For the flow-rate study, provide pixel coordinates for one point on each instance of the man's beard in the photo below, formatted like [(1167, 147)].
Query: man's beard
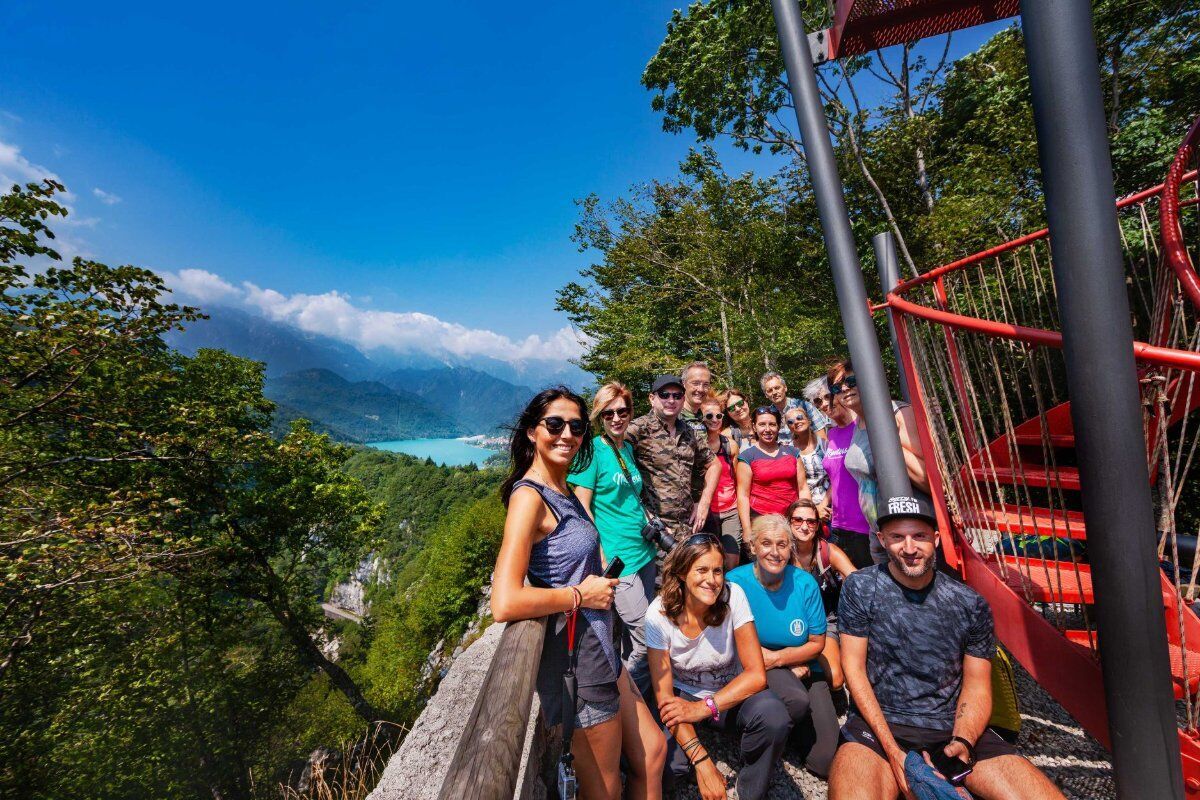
[(919, 571)]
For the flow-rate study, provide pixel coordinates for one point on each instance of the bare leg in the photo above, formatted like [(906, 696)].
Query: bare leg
[(643, 742), (1010, 778), (831, 662), (859, 773), (597, 752)]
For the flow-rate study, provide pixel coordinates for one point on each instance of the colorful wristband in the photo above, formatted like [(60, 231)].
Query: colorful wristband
[(712, 707), (576, 599)]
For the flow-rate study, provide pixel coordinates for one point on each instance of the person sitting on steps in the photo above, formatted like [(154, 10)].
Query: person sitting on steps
[(916, 650)]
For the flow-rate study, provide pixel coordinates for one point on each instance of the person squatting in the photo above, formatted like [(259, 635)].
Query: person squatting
[(720, 564)]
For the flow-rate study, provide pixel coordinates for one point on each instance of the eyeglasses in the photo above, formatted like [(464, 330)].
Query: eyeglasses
[(619, 413), (699, 384), (797, 420), (848, 382), (556, 424), (805, 521), (703, 538), (735, 404), (822, 400), (717, 415), (663, 394)]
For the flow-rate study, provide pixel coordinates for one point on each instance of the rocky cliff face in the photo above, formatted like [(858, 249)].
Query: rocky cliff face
[(351, 594)]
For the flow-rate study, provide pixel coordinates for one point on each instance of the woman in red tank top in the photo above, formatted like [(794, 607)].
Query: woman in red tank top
[(770, 476)]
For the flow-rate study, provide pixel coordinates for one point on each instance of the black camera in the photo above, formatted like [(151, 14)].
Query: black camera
[(655, 532)]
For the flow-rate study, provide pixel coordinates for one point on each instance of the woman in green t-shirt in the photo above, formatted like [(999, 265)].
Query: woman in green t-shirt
[(610, 488)]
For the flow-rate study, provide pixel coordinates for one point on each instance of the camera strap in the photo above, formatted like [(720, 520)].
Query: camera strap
[(628, 476), (570, 691)]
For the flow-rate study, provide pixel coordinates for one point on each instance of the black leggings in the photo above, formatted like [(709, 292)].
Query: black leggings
[(814, 719), (856, 546)]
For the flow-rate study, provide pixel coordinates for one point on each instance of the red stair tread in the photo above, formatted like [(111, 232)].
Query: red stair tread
[(1035, 475), (1043, 579), (1019, 520), (1063, 440), (1175, 653)]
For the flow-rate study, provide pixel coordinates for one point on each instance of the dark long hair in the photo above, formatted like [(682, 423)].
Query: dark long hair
[(521, 451), (674, 581)]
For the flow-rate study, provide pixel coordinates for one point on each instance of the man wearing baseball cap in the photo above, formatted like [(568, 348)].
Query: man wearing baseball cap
[(916, 653), (673, 459)]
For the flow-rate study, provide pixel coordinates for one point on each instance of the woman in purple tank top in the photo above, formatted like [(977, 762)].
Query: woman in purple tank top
[(549, 538)]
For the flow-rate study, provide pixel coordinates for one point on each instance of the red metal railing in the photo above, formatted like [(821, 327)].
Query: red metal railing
[(980, 340)]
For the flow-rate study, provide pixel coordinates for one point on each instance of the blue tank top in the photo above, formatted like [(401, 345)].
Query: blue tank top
[(565, 557)]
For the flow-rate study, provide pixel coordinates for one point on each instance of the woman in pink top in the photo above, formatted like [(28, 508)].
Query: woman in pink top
[(722, 515), (770, 476)]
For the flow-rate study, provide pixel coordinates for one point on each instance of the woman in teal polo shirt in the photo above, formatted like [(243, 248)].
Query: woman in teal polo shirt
[(610, 487), (790, 618)]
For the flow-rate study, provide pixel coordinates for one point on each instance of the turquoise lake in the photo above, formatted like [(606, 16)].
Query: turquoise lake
[(447, 452)]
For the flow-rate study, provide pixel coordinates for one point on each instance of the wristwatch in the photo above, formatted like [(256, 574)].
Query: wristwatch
[(970, 748)]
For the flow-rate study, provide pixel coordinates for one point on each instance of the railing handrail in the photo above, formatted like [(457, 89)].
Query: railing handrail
[(954, 266), (1171, 228), (1146, 353), (488, 757)]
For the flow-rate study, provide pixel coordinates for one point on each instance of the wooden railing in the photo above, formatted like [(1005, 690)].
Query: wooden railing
[(488, 758)]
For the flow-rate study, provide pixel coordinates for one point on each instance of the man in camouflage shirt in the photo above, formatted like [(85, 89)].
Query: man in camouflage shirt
[(671, 456)]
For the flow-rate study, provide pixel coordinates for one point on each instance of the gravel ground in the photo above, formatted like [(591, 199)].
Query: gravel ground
[(1050, 738)]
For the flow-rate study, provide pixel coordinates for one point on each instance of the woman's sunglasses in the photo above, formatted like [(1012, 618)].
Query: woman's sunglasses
[(716, 415), (556, 424), (848, 382), (736, 404), (703, 538), (619, 413), (805, 521)]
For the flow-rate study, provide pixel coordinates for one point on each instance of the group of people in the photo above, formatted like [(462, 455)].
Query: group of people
[(760, 577)]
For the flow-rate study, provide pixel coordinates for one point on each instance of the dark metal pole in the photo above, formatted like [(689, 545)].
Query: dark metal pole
[(1098, 345), (843, 258), (889, 275)]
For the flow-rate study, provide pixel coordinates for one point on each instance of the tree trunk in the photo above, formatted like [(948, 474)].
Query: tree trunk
[(725, 342), (277, 601), (338, 677)]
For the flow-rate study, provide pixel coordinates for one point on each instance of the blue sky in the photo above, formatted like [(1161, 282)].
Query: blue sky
[(412, 158)]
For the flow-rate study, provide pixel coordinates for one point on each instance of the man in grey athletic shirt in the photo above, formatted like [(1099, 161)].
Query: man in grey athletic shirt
[(916, 650)]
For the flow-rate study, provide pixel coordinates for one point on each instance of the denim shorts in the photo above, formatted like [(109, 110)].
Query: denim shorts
[(589, 714)]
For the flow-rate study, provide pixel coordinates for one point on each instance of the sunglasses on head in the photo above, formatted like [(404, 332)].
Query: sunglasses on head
[(703, 538), (848, 382), (556, 424), (609, 413), (663, 394), (714, 415)]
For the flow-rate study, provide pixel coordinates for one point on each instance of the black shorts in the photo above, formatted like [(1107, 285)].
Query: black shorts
[(910, 737)]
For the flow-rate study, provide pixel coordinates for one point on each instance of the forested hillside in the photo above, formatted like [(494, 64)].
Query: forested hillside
[(164, 554)]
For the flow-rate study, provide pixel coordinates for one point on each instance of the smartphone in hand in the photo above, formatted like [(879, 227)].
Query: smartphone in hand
[(614, 568), (954, 770)]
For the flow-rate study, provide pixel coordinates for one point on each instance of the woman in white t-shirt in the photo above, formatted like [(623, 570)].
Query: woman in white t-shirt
[(707, 667)]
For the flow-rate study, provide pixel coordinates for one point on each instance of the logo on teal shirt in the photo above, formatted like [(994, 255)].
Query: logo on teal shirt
[(797, 627)]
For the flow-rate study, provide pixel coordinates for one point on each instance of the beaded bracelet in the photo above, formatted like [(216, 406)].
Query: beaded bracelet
[(700, 760)]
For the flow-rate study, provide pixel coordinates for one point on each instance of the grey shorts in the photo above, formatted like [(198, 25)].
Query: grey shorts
[(589, 714)]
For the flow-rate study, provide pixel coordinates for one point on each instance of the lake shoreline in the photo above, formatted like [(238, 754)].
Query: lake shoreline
[(454, 452)]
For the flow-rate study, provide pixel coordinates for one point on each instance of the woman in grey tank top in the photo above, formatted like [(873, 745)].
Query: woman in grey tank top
[(549, 538)]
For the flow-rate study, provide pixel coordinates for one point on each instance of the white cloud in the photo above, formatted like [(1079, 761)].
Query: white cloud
[(16, 168), (108, 198), (336, 315), (201, 285)]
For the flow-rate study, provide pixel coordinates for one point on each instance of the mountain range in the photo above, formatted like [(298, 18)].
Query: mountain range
[(358, 397)]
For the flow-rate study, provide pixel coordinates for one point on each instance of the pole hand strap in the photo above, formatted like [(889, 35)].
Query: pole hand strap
[(570, 690)]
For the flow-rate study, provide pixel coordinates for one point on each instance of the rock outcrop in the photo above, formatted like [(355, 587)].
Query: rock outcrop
[(417, 769)]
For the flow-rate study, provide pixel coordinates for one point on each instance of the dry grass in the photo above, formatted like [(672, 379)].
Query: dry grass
[(348, 773)]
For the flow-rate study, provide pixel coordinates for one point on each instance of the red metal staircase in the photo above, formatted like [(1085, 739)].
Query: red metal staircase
[(980, 337)]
